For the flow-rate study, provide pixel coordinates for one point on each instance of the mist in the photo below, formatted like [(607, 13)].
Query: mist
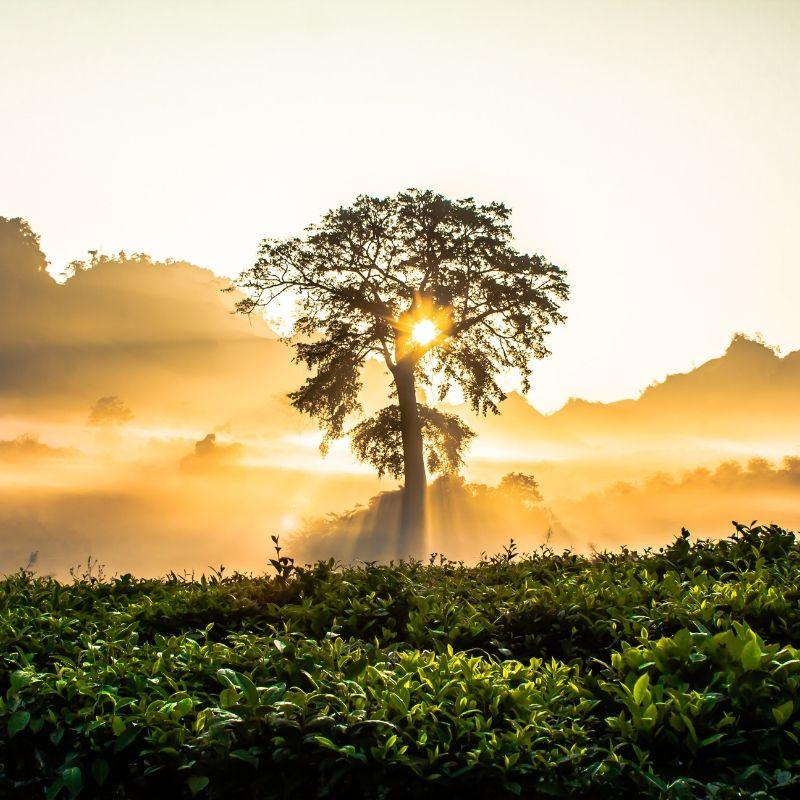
[(145, 424)]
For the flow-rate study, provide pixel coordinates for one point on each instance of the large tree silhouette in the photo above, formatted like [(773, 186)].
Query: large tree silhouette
[(433, 287)]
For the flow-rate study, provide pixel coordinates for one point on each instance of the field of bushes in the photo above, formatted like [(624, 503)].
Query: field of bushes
[(669, 674)]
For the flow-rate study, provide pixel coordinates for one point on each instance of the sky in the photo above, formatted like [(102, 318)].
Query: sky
[(648, 148)]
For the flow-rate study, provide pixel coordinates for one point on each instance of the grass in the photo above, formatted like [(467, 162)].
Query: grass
[(660, 674)]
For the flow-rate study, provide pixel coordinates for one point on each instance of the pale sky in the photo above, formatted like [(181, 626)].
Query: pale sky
[(651, 149)]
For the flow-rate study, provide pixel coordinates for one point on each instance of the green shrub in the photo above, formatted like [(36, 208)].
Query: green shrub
[(669, 674)]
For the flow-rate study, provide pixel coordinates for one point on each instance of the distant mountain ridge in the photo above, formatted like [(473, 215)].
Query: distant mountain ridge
[(748, 391)]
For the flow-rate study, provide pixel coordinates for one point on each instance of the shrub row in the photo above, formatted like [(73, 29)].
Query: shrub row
[(669, 674)]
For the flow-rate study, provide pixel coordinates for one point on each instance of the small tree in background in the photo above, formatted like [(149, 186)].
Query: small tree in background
[(435, 289)]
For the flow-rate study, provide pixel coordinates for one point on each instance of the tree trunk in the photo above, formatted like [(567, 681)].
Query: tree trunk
[(412, 512)]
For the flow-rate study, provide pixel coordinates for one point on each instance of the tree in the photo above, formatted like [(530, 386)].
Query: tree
[(435, 289), (523, 488), (22, 263)]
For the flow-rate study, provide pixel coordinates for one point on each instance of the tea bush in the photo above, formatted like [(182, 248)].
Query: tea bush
[(661, 674)]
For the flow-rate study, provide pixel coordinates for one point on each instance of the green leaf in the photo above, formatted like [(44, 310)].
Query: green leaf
[(689, 727), (650, 714), (783, 712), (324, 741), (73, 780), (247, 757), (711, 739), (751, 655), (656, 781), (53, 789), (17, 722), (117, 726), (640, 690), (229, 697), (20, 679), (183, 707), (231, 678), (125, 739), (697, 657), (100, 770), (248, 687), (197, 783), (683, 640), (227, 676)]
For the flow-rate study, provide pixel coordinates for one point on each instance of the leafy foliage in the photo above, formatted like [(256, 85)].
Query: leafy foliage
[(378, 441), (366, 273), (522, 487), (672, 674)]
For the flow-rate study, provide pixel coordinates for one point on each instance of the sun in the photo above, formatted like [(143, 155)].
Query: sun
[(424, 332)]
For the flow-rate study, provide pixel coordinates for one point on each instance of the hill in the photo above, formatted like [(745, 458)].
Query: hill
[(748, 394)]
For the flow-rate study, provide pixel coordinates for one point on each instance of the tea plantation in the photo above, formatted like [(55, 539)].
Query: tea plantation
[(671, 674)]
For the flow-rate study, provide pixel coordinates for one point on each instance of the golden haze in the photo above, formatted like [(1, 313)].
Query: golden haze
[(146, 425)]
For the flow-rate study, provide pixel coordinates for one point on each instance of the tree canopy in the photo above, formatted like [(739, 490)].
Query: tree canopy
[(364, 274)]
